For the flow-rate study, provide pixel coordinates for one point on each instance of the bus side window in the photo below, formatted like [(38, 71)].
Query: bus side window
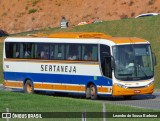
[(89, 52), (94, 53), (27, 50), (52, 49), (73, 52), (59, 52), (42, 51), (37, 54), (86, 52), (88, 55), (16, 50), (9, 50)]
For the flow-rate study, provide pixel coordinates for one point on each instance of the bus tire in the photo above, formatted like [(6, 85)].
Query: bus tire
[(93, 92), (28, 87)]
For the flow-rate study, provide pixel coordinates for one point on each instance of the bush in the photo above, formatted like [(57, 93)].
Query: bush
[(35, 2), (131, 3), (123, 16), (32, 11), (151, 2)]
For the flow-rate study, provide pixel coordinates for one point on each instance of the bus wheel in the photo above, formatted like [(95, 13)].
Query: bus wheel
[(28, 87), (93, 91)]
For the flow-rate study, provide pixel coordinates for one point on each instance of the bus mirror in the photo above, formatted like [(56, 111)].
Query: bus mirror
[(154, 59)]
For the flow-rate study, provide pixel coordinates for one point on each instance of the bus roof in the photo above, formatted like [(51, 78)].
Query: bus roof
[(122, 40), (79, 35), (116, 40), (92, 35)]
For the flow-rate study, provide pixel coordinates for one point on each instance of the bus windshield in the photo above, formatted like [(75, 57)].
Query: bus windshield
[(133, 62)]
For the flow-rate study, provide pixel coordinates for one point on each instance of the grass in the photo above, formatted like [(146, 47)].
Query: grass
[(20, 102), (146, 28)]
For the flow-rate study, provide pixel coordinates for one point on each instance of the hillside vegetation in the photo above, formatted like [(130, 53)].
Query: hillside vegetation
[(26, 15), (146, 28)]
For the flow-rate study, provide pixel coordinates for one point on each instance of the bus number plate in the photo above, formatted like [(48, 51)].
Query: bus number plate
[(137, 91)]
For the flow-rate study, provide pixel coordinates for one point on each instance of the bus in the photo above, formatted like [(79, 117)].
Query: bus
[(92, 64)]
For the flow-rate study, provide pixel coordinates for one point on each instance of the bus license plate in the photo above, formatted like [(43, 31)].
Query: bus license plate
[(137, 91)]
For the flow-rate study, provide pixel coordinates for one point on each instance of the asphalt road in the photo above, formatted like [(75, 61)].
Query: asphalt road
[(141, 101)]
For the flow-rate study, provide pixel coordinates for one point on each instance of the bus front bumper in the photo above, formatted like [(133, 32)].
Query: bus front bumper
[(119, 91)]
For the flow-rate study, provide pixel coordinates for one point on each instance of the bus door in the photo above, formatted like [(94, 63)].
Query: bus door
[(105, 57)]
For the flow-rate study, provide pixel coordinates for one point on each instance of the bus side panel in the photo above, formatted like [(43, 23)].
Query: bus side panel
[(62, 83), (57, 77)]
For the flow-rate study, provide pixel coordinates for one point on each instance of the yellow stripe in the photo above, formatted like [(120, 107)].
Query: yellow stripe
[(80, 88), (59, 87), (13, 84), (46, 86), (103, 89)]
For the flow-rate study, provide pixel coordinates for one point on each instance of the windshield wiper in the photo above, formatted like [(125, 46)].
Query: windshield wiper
[(125, 74), (139, 67)]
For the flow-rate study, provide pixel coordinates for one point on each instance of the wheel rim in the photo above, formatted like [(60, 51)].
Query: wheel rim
[(93, 90), (29, 88)]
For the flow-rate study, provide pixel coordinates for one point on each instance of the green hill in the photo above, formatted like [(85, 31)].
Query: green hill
[(147, 28)]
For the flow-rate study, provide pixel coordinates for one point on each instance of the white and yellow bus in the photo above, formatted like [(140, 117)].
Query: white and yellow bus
[(94, 64)]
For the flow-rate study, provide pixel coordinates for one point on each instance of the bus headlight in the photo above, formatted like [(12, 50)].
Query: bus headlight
[(150, 84), (120, 85)]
